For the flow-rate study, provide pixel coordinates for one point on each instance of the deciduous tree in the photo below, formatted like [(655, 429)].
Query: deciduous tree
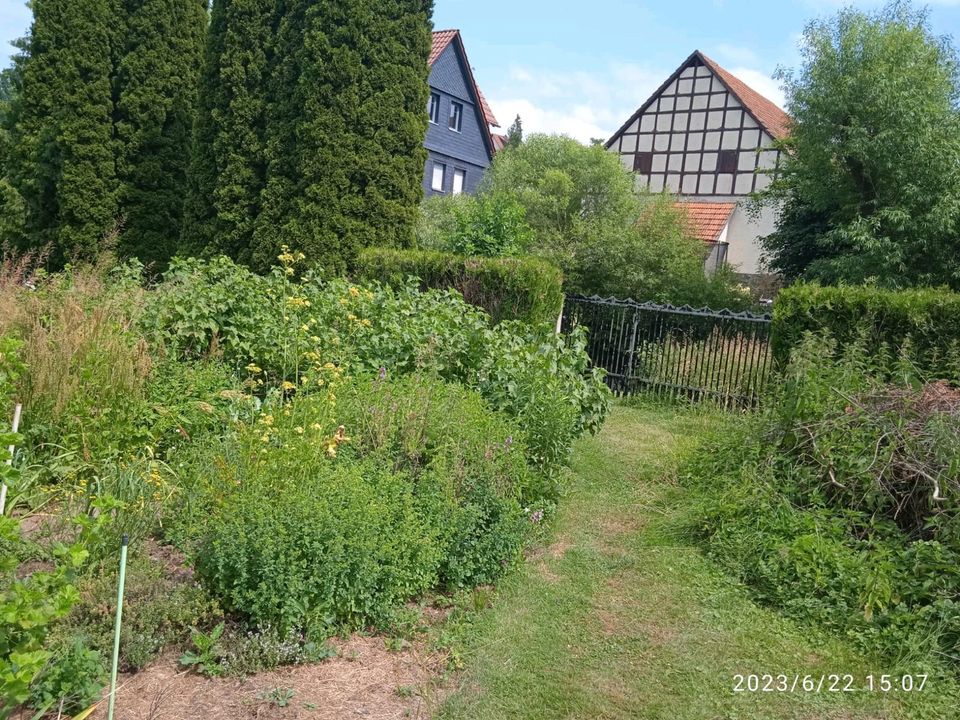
[(869, 189)]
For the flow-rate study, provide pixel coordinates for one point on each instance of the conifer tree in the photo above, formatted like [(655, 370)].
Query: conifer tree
[(61, 159), (156, 78), (228, 167), (346, 127), (514, 133)]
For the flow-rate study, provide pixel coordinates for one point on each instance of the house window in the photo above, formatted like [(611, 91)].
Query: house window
[(456, 116), (727, 162), (434, 108), (458, 177), (643, 162), (439, 171)]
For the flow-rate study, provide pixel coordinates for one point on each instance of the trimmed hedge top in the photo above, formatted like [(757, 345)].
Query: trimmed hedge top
[(928, 320), (527, 288)]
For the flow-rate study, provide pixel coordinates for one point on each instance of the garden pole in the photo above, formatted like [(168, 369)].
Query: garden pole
[(116, 630), (16, 426)]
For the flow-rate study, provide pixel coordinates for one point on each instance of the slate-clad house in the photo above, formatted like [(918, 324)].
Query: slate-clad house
[(459, 141), (708, 137)]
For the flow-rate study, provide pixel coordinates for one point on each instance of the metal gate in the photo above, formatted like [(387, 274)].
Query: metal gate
[(677, 351)]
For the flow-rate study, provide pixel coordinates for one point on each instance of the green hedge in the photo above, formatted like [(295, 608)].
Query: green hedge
[(926, 319), (528, 289)]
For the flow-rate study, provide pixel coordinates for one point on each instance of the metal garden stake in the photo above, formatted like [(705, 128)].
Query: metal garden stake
[(116, 631)]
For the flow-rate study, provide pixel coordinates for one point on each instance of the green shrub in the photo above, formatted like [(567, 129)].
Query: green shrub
[(839, 503), (159, 608), (923, 322), (313, 321), (334, 511), (487, 225), (528, 289), (72, 680)]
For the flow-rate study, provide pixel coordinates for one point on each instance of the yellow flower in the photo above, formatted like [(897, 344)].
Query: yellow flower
[(320, 382), (354, 292), (265, 437), (305, 328), (287, 385), (288, 271), (253, 368), (267, 420), (298, 430), (344, 301), (351, 316), (369, 295), (365, 322), (316, 426), (329, 366), (332, 449), (314, 338)]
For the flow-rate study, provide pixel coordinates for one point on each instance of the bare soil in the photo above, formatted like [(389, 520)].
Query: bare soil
[(365, 681)]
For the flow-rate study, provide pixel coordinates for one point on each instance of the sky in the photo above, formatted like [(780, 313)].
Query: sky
[(582, 68)]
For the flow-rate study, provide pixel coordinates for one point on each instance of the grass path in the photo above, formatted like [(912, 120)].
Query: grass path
[(620, 616)]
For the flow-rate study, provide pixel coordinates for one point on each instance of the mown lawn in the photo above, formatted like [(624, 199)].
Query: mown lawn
[(621, 616)]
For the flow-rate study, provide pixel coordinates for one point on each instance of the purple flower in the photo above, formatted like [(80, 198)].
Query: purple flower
[(536, 516), (507, 443), (383, 373)]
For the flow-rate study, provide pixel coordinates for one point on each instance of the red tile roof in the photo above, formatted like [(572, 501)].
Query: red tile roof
[(707, 219), (442, 38), (770, 117), (499, 141), (774, 120)]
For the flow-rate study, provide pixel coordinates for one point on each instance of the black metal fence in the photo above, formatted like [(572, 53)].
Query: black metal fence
[(677, 351)]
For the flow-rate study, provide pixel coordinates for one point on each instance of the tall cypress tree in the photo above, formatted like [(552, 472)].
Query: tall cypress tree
[(228, 168), (345, 147), (156, 80), (61, 161)]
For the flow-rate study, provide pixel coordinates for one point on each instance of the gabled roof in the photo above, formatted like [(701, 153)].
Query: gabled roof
[(771, 118), (767, 114), (707, 219), (442, 38), (499, 142)]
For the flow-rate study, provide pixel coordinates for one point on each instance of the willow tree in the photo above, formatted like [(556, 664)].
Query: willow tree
[(870, 187)]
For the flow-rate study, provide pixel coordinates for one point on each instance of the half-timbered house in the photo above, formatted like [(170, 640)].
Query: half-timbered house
[(707, 137)]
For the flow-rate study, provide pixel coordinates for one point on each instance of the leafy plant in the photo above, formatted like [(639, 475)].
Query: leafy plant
[(278, 696), (206, 652), (72, 679)]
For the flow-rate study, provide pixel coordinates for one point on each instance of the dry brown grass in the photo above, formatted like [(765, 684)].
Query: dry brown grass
[(79, 341)]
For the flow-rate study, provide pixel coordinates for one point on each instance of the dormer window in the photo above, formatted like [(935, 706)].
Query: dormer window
[(456, 116), (434, 108)]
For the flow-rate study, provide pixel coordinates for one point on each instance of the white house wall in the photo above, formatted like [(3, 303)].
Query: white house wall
[(743, 234)]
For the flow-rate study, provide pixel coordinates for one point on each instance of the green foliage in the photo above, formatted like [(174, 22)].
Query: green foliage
[(839, 503), (514, 133), (72, 680), (61, 161), (159, 608), (296, 523), (31, 605), (488, 225), (206, 652), (310, 130), (609, 240), (99, 126), (153, 120), (228, 166), (869, 185), (526, 289), (920, 324), (546, 382)]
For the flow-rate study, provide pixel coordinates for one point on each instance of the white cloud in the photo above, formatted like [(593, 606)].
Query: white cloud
[(581, 104), (761, 82), (586, 105)]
